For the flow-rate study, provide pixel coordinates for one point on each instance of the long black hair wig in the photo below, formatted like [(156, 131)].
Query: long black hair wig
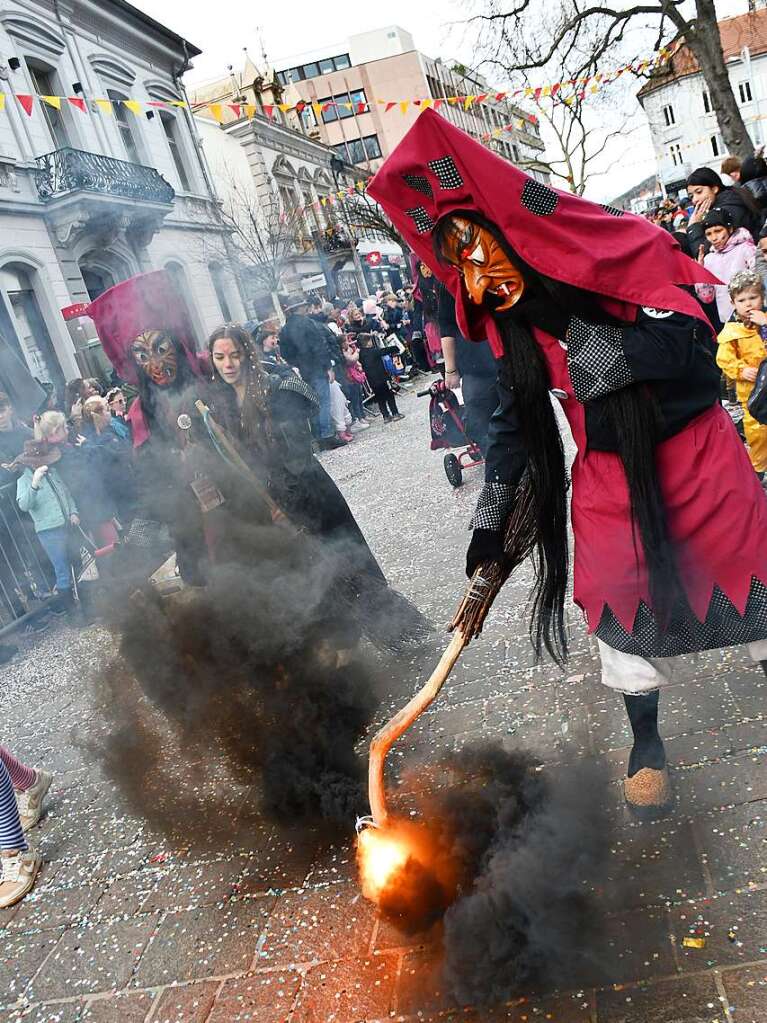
[(633, 413)]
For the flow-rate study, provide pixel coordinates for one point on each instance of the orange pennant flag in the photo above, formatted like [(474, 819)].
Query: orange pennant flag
[(52, 101), (104, 105), (133, 105)]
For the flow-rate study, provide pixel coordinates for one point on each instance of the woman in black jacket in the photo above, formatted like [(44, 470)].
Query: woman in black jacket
[(708, 192)]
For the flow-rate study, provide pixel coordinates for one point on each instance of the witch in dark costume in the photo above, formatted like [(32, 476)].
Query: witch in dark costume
[(144, 331), (588, 304), (266, 410)]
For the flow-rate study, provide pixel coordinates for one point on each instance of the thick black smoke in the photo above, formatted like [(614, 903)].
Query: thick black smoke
[(528, 848), (240, 681)]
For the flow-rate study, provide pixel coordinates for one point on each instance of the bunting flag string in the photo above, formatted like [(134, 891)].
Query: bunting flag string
[(580, 86)]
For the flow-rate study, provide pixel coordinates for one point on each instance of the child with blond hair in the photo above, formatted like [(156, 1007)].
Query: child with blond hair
[(741, 350)]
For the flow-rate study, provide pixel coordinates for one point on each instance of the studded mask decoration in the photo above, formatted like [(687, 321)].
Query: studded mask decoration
[(485, 267), (155, 354)]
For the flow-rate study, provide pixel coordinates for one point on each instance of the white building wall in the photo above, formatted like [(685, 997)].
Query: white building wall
[(96, 44), (695, 130)]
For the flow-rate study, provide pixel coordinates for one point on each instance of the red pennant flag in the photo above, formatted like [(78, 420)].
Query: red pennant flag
[(268, 109), (438, 103), (389, 106), (537, 93), (555, 88), (499, 96), (300, 106), (481, 99), (235, 108), (157, 103), (77, 101), (362, 108), (27, 102)]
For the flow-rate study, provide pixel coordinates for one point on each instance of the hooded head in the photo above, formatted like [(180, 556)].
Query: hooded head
[(144, 329), (438, 170)]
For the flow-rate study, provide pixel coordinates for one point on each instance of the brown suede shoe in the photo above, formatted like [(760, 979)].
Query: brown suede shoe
[(648, 792)]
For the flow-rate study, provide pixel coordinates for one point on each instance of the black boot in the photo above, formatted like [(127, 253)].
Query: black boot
[(764, 666), (647, 750), (646, 788)]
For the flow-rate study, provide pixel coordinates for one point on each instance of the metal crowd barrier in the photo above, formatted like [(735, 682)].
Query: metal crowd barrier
[(26, 575)]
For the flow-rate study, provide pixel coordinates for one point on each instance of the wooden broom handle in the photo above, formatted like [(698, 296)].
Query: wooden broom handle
[(386, 736)]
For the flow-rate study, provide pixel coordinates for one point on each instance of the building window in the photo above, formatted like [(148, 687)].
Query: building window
[(181, 286), (668, 115), (44, 85), (715, 147), (343, 105), (744, 91), (359, 150), (707, 102), (217, 276), (676, 154), (170, 127), (125, 126), (327, 66), (311, 70), (29, 333), (342, 62)]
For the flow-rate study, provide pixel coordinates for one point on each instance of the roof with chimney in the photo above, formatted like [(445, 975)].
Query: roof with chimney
[(736, 33)]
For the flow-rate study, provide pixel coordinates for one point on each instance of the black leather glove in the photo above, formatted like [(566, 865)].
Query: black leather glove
[(485, 545)]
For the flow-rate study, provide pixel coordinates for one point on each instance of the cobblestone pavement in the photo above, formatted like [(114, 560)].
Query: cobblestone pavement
[(122, 928)]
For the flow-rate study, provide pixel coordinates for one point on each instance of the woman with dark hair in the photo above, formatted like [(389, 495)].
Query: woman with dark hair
[(753, 176), (266, 410), (707, 192), (588, 304)]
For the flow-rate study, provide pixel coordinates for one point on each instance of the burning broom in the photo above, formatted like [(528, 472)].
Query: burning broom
[(387, 847)]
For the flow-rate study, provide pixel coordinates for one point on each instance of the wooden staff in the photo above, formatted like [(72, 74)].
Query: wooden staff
[(483, 588)]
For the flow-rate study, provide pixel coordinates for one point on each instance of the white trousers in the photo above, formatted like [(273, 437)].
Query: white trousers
[(631, 674)]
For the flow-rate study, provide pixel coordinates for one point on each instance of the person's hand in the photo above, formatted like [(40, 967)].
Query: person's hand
[(701, 254), (453, 380), (701, 209), (758, 317), (38, 476), (80, 440), (74, 520), (748, 373), (278, 516), (486, 545)]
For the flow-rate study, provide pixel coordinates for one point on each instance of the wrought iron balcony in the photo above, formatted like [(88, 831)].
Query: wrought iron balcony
[(71, 170)]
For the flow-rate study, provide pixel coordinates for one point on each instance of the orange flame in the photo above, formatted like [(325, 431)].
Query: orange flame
[(381, 853)]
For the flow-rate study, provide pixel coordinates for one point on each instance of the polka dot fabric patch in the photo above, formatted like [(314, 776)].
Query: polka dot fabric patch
[(421, 219), (539, 199), (447, 172), (612, 210), (419, 183)]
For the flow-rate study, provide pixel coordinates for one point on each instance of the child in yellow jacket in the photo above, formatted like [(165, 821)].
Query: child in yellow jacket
[(741, 349)]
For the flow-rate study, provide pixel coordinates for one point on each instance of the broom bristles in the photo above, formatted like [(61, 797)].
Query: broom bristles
[(486, 582)]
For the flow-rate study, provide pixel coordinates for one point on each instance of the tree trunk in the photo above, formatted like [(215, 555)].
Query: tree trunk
[(705, 42)]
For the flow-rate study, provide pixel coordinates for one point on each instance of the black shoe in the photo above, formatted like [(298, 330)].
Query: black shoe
[(388, 419), (58, 606), (37, 626), (330, 443), (398, 416), (7, 652)]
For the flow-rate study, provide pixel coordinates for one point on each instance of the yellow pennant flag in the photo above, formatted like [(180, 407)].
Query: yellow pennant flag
[(404, 105), (52, 101), (215, 109), (284, 107), (250, 110), (324, 201), (467, 101), (133, 105), (317, 108), (104, 105), (425, 103), (2, 101), (177, 103)]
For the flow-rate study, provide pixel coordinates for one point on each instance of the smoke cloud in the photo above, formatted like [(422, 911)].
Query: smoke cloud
[(527, 850)]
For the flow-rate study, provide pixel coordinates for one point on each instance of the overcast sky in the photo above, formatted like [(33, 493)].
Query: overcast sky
[(295, 26)]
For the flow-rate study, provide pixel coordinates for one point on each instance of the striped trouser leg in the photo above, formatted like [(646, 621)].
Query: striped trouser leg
[(22, 777), (11, 835)]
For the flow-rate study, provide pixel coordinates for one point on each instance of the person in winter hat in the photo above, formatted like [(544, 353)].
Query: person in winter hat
[(732, 250)]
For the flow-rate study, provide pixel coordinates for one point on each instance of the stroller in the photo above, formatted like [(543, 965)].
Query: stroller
[(448, 431)]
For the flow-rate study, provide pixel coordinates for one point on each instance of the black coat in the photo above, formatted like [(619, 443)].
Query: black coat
[(303, 343), (473, 358), (372, 362), (672, 352), (758, 188), (743, 215)]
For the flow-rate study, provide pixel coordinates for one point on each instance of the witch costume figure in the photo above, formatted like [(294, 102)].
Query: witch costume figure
[(144, 330), (587, 304)]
